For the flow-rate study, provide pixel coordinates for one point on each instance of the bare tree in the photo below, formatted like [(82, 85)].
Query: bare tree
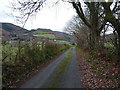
[(80, 31), (98, 14), (94, 20), (74, 24), (111, 16), (26, 8)]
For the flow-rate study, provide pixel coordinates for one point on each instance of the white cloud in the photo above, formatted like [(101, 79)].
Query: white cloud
[(54, 18)]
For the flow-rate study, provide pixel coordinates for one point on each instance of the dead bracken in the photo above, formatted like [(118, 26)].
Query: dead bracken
[(94, 78)]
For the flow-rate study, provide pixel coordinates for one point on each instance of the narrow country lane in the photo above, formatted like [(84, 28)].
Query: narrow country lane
[(70, 78)]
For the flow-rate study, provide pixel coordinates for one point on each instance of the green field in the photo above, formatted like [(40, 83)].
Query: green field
[(45, 35), (63, 41), (109, 45), (41, 32)]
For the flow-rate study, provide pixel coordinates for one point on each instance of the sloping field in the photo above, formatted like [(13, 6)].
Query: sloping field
[(40, 33), (45, 35)]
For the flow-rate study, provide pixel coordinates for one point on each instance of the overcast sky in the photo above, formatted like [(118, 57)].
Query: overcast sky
[(54, 18)]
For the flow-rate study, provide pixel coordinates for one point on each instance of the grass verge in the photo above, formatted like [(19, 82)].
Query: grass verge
[(59, 71)]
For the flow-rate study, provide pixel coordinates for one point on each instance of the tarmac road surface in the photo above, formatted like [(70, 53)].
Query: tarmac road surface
[(69, 79)]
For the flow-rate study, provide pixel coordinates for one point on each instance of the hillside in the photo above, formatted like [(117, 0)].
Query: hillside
[(13, 32), (63, 36), (13, 29)]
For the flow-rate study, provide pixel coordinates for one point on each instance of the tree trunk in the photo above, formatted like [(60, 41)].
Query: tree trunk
[(118, 60), (115, 22), (95, 39)]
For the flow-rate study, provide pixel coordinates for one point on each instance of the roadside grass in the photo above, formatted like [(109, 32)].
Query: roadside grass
[(59, 71)]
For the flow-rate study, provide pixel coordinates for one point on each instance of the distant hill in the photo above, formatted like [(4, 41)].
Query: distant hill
[(63, 36), (14, 32), (13, 29), (45, 30)]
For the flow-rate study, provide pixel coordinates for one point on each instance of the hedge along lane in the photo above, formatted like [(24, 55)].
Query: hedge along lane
[(40, 79)]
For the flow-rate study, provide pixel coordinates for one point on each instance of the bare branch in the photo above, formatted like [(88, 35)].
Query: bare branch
[(80, 13)]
